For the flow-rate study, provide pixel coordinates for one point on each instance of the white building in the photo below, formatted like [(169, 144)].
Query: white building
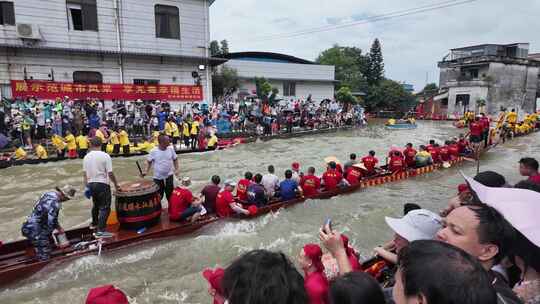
[(139, 42), (295, 78)]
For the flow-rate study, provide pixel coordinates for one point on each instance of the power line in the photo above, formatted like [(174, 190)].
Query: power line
[(381, 17)]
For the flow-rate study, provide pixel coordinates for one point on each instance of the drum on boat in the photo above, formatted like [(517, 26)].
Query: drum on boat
[(138, 205)]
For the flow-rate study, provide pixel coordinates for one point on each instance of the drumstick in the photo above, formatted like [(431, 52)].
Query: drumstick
[(139, 167)]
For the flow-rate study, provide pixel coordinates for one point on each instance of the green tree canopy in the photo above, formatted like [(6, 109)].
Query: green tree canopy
[(225, 81), (389, 95), (215, 49), (375, 64), (224, 47), (345, 95), (265, 91), (350, 66), (430, 89)]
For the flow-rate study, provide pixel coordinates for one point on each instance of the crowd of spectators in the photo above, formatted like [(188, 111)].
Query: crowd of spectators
[(25, 121)]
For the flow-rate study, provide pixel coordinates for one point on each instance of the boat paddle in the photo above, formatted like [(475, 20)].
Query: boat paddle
[(140, 169)]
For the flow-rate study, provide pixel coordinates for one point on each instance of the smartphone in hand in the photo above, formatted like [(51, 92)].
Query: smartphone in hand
[(328, 223)]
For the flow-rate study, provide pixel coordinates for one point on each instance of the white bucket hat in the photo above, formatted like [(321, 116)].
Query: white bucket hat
[(417, 225)]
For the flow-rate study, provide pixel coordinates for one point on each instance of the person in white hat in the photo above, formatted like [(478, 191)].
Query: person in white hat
[(43, 220), (416, 225)]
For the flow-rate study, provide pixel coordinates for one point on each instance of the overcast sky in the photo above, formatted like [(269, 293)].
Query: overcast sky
[(411, 45)]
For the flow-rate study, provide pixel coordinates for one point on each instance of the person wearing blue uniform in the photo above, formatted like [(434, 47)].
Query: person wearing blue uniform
[(39, 226), (288, 188)]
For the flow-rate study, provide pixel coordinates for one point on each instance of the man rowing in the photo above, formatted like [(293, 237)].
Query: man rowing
[(270, 182), (396, 163), (410, 154), (256, 195), (182, 205), (370, 162), (310, 183), (40, 225), (226, 204), (353, 174), (243, 185), (332, 177), (289, 188), (165, 163)]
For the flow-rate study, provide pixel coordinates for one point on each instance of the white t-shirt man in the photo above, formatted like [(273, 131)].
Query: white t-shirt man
[(270, 182), (97, 165), (163, 162)]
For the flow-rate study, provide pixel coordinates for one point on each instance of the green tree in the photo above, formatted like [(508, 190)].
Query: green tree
[(345, 95), (225, 81), (215, 49), (224, 47), (430, 89), (350, 66), (375, 64), (263, 88), (389, 95)]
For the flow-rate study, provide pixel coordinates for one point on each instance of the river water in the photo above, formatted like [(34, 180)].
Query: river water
[(169, 271)]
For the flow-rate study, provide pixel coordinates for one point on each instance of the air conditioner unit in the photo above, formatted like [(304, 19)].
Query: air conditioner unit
[(28, 31)]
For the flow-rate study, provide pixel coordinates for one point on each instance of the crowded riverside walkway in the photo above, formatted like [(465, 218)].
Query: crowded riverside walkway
[(367, 198)]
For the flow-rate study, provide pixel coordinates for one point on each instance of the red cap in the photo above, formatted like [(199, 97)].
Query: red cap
[(463, 188), (107, 294), (214, 278), (295, 166), (253, 210), (314, 253)]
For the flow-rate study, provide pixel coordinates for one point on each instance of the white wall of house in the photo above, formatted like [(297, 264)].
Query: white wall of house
[(314, 79), (137, 24), (474, 93)]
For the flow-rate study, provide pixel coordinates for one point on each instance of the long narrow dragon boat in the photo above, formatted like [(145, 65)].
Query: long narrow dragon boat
[(17, 259)]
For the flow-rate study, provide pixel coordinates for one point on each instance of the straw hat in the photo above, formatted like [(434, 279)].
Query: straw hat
[(330, 159), (359, 166)]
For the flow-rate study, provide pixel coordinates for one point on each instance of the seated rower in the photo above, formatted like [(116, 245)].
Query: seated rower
[(182, 206), (352, 161), (423, 158), (82, 144), (20, 153), (256, 195), (370, 162), (453, 150), (243, 185), (40, 225), (396, 163), (444, 152), (212, 142), (225, 203), (289, 188), (410, 154), (464, 146), (434, 150), (332, 177), (310, 183), (353, 175), (297, 175), (209, 194), (41, 153)]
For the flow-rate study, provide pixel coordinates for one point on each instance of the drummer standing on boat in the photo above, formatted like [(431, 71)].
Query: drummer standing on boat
[(39, 226), (97, 167), (164, 160)]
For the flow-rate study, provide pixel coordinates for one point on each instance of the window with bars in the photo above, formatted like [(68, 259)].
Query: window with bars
[(167, 21), (289, 88), (7, 13), (82, 15)]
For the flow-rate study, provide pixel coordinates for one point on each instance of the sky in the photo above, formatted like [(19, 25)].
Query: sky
[(412, 45)]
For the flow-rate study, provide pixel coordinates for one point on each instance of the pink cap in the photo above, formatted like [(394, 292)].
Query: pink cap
[(295, 166), (214, 278), (520, 207)]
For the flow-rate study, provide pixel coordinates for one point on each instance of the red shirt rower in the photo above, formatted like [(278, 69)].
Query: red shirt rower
[(243, 184), (444, 153), (463, 145), (223, 203), (396, 163), (453, 149), (434, 151), (310, 183), (181, 199), (370, 162), (410, 154), (354, 175), (331, 178)]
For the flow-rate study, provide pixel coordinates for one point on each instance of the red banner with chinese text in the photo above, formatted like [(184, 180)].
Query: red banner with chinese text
[(105, 91)]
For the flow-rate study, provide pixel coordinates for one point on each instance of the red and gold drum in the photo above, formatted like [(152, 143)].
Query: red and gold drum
[(138, 205)]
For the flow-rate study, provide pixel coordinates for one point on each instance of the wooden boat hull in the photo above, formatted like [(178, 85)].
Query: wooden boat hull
[(16, 264)]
